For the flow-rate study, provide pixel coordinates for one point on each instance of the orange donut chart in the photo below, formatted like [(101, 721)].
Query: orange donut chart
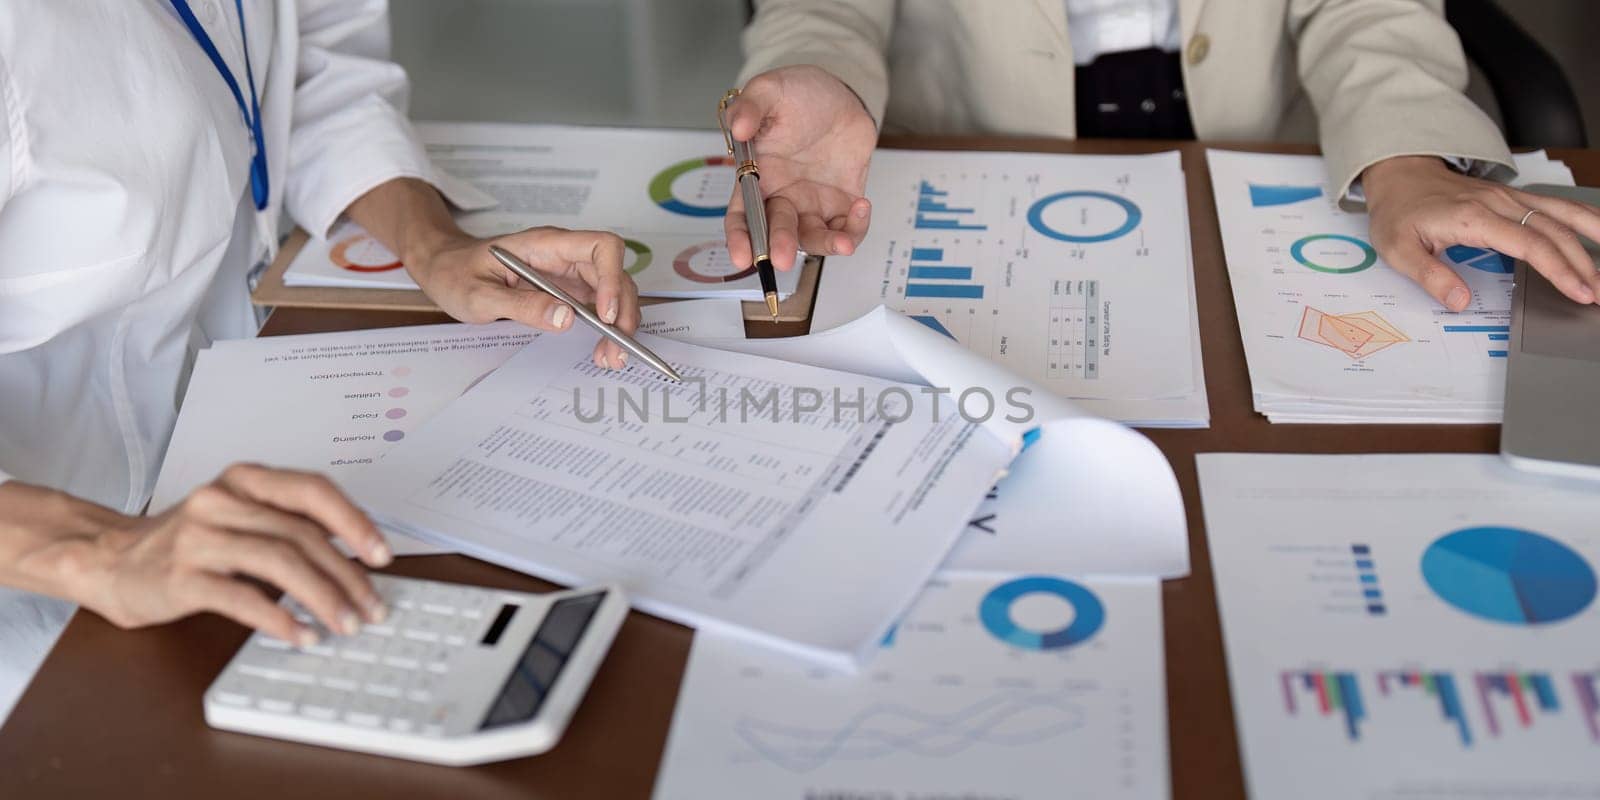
[(682, 266), (362, 253)]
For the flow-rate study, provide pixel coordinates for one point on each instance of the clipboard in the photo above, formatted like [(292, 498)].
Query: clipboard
[(271, 291)]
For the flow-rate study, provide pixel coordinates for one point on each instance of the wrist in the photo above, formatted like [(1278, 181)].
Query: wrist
[(1398, 169), (422, 240), (54, 544)]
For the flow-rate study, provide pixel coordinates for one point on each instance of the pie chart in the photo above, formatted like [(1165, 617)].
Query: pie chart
[(1509, 575)]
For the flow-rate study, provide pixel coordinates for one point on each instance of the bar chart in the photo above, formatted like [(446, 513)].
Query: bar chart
[(934, 211), (1524, 692), (930, 276), (1587, 685), (1332, 692), (1440, 687), (1497, 336)]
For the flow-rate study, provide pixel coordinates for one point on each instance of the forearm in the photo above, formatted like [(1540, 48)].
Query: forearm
[(849, 40), (1387, 78), (409, 217), (47, 539)]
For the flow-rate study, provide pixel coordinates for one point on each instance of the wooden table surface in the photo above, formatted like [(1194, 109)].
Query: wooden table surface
[(117, 714)]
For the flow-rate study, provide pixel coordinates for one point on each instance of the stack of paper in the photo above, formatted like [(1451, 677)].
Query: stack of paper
[(800, 506), (1331, 332), (1071, 271), (791, 524), (1417, 626), (663, 191), (335, 403)]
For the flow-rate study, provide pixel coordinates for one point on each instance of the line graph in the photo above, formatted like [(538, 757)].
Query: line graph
[(880, 730)]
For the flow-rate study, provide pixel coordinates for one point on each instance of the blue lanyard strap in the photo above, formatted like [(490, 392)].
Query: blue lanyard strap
[(252, 113)]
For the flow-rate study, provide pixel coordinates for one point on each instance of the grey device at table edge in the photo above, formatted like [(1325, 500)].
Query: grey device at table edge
[(755, 209), (584, 313), (1553, 370)]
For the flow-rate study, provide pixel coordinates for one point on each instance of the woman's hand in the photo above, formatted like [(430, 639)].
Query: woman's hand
[(469, 284), (252, 524), (457, 272), (1419, 207)]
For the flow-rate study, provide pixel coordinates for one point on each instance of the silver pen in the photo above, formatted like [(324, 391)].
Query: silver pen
[(748, 176), (584, 313)]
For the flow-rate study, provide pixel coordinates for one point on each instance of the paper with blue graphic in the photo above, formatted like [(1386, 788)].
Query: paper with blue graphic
[(1024, 686), (1072, 271), (1333, 334), (1419, 626)]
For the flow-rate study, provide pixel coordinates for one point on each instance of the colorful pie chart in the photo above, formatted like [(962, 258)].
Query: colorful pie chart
[(641, 256), (1509, 575), (362, 253), (708, 262), (661, 187)]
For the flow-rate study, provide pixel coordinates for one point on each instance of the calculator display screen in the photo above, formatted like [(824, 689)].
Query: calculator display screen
[(536, 671)]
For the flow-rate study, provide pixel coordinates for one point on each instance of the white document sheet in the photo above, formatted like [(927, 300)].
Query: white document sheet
[(1332, 333), (336, 402), (749, 497), (663, 191), (1086, 497), (1071, 271), (1408, 626), (1021, 688)]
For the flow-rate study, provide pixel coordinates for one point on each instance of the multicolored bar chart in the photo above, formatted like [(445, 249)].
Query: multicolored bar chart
[(934, 211), (1523, 691), (1587, 685), (1334, 692), (1441, 685)]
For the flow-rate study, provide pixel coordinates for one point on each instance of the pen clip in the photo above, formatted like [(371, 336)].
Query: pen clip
[(722, 118)]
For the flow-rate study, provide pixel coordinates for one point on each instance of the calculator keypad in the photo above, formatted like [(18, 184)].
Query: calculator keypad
[(389, 675)]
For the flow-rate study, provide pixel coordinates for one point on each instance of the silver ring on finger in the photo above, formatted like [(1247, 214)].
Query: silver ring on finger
[(1528, 216)]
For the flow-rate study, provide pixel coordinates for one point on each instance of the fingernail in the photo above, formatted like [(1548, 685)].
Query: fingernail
[(1586, 294), (377, 611), (861, 212), (611, 311), (349, 623), (622, 360), (305, 637), (380, 554), (1457, 299), (559, 315)]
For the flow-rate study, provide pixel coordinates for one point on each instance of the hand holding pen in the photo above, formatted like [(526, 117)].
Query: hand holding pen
[(812, 140)]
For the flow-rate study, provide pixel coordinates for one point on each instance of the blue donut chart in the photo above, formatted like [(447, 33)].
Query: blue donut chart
[(994, 611), (1036, 216)]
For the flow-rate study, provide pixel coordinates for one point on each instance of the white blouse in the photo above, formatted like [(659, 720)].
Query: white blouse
[(127, 225)]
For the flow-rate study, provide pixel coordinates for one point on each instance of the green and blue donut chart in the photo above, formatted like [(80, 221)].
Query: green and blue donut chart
[(1131, 217), (642, 254), (994, 611), (661, 187), (1297, 251)]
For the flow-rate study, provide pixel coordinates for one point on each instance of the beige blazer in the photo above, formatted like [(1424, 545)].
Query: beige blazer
[(1369, 79)]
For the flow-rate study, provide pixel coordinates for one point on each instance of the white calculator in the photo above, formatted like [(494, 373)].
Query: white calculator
[(455, 675)]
